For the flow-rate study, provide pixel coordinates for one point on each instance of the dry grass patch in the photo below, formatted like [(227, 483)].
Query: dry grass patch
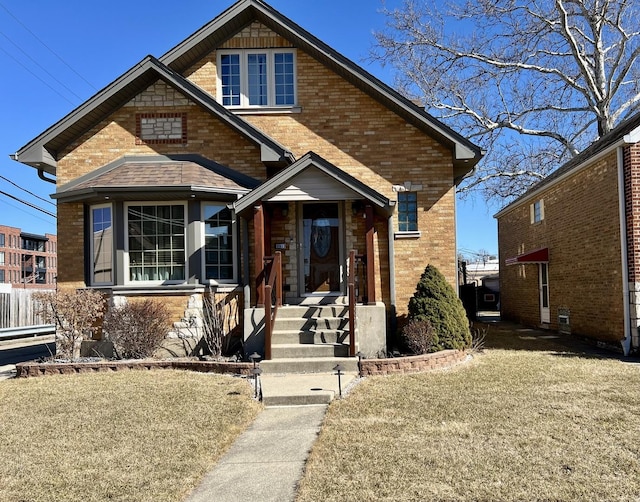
[(512, 425), (134, 436)]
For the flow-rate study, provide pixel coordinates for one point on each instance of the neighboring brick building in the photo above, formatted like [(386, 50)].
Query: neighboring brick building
[(27, 260), (570, 246), (250, 137)]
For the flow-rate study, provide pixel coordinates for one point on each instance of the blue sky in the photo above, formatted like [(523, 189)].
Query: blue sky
[(55, 55)]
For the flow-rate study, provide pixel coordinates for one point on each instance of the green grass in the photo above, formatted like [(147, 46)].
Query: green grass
[(134, 436), (532, 422)]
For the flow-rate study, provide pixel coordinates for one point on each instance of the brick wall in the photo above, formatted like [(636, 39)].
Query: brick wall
[(581, 229), (18, 261)]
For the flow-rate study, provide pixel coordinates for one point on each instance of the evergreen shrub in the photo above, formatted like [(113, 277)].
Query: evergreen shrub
[(435, 301)]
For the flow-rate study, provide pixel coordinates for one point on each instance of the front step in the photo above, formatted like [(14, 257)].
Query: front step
[(303, 351), (308, 365), (300, 390)]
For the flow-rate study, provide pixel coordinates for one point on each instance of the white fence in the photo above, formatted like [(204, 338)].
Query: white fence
[(18, 309)]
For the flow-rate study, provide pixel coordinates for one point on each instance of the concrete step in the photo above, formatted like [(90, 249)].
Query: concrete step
[(308, 365), (313, 311), (308, 324), (298, 350), (313, 336), (297, 390)]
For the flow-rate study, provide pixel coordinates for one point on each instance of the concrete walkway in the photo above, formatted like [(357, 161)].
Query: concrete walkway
[(266, 462)]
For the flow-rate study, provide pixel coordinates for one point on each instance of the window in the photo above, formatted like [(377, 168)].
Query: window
[(156, 242), (537, 211), (218, 243), (1, 276), (101, 245), (257, 78), (2, 257), (407, 211), (1, 240)]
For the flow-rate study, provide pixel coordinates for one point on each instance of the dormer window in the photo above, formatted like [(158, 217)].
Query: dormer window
[(257, 78)]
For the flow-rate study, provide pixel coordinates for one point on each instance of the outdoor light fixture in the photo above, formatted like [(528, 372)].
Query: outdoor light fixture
[(256, 375), (360, 356), (339, 370), (254, 359)]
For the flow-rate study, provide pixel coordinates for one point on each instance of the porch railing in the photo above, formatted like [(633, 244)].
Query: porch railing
[(356, 280), (273, 297)]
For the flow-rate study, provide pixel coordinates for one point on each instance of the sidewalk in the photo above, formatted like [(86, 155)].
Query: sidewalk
[(266, 462)]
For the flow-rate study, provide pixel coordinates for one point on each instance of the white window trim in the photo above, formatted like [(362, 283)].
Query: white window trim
[(91, 250), (127, 280), (234, 246), (244, 79), (532, 211)]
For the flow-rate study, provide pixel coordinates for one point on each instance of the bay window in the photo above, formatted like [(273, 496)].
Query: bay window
[(156, 242), (219, 254)]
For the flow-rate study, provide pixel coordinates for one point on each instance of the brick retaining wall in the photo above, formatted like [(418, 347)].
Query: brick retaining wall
[(413, 364), (25, 370)]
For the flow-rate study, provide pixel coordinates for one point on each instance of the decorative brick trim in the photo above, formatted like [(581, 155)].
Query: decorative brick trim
[(413, 364), (161, 141), (26, 370)]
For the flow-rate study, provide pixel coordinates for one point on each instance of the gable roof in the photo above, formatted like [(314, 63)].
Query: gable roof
[(465, 154), (157, 176), (41, 152), (309, 161), (628, 131)]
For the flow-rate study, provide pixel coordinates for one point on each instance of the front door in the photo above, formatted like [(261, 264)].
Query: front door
[(321, 245), (544, 293)]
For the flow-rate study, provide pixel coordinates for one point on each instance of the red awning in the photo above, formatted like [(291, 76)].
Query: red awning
[(537, 256)]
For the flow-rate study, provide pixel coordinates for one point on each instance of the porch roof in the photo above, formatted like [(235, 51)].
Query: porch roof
[(158, 177), (351, 187)]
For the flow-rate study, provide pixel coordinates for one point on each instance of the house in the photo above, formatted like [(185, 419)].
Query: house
[(570, 246), (27, 260), (248, 162)]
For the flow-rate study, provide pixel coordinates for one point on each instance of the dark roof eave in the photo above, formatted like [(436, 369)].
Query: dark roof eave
[(227, 24), (41, 152), (146, 193)]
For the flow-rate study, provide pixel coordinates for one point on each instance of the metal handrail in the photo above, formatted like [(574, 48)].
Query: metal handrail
[(273, 273)]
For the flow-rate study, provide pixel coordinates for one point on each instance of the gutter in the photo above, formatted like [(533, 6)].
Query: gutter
[(392, 274)]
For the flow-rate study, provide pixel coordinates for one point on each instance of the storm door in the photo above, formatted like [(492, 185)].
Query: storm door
[(544, 292), (321, 235)]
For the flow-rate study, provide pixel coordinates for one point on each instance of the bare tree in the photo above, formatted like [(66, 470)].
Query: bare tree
[(532, 81)]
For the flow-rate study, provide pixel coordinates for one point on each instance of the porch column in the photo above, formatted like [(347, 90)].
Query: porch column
[(371, 269), (258, 229)]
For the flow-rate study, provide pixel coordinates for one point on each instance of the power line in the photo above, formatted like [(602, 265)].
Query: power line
[(39, 65), (47, 47), (25, 190), (24, 211), (28, 204), (40, 79)]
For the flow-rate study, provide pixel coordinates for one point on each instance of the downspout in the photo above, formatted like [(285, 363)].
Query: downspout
[(627, 342), (42, 176), (392, 275), (245, 265)]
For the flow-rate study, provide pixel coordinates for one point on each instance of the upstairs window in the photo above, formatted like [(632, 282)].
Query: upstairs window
[(407, 211), (537, 211), (257, 78)]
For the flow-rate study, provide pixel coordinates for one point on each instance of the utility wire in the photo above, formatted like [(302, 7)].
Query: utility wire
[(39, 65), (32, 215), (25, 190), (47, 47), (28, 204), (40, 79)]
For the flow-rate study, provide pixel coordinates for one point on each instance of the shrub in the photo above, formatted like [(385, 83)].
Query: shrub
[(74, 314), (137, 328), (436, 301), (417, 336)]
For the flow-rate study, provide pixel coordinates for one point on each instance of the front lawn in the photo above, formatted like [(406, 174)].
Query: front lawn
[(126, 436), (531, 422)]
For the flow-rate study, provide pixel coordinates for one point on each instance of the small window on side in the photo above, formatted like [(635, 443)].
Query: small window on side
[(537, 211)]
